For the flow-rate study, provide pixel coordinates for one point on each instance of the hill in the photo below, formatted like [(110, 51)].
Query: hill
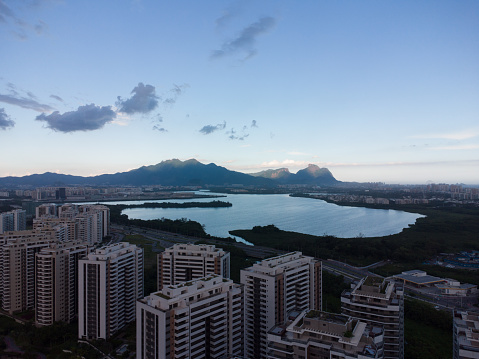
[(312, 175)]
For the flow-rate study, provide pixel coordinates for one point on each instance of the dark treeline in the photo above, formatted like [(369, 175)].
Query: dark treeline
[(211, 204), (180, 226), (445, 230)]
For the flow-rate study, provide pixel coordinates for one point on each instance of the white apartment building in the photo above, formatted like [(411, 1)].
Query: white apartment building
[(202, 318), (110, 281), (56, 272), (184, 262), (17, 268), (379, 302), (465, 335), (274, 287), (316, 334)]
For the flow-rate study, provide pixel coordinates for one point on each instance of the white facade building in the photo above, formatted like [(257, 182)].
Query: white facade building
[(110, 281), (274, 287), (316, 334), (184, 262), (379, 302), (56, 271), (17, 268), (199, 319)]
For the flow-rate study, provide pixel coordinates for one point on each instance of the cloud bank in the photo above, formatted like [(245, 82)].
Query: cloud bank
[(246, 40), (144, 100), (85, 118), (5, 121)]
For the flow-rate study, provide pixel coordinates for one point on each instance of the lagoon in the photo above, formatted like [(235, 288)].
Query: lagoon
[(296, 214)]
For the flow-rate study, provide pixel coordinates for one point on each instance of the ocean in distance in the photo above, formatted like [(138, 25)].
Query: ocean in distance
[(296, 214)]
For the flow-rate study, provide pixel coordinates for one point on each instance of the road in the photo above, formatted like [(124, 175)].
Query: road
[(168, 239)]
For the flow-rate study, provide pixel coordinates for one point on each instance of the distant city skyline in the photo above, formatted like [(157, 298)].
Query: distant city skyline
[(374, 91)]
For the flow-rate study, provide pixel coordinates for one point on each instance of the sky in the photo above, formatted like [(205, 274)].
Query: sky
[(373, 90)]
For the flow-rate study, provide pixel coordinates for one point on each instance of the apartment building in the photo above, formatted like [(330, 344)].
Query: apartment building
[(184, 262), (110, 281), (56, 280), (17, 268), (465, 335), (66, 228), (379, 302), (317, 334), (87, 223), (15, 220), (202, 318), (47, 209), (274, 287)]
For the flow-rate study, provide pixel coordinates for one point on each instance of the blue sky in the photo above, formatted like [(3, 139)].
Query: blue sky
[(380, 90)]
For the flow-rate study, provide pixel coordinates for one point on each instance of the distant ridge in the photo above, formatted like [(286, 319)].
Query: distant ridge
[(312, 175), (180, 173)]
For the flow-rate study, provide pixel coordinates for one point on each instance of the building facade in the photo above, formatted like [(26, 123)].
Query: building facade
[(17, 268), (465, 335), (379, 302), (184, 262), (274, 287), (15, 220), (202, 318), (316, 334), (110, 281), (56, 272)]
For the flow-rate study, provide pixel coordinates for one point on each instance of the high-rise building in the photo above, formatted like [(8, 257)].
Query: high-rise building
[(274, 287), (15, 220), (202, 318), (6, 222), (184, 262), (110, 281), (87, 223), (17, 268), (316, 334), (56, 271), (379, 302), (47, 209), (465, 335)]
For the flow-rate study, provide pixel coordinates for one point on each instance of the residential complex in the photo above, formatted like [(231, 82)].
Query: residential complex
[(87, 223), (202, 318), (316, 334), (184, 262), (56, 273), (17, 268), (465, 335), (379, 302), (273, 288), (110, 281)]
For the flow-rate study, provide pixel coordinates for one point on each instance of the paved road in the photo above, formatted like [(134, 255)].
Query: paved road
[(168, 239)]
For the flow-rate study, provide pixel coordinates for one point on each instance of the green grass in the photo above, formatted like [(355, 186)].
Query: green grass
[(426, 341)]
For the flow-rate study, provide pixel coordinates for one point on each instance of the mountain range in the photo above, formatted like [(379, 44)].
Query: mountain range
[(181, 173)]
